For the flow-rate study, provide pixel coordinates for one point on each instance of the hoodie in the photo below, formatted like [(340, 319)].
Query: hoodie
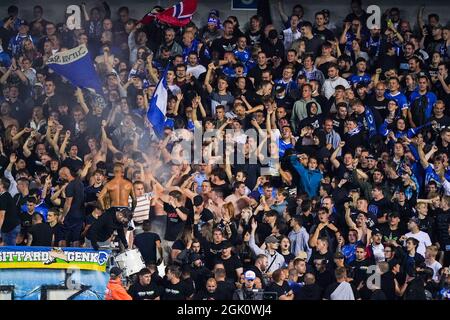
[(300, 112), (115, 291), (309, 179)]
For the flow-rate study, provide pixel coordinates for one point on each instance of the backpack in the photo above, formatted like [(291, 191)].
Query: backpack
[(418, 108)]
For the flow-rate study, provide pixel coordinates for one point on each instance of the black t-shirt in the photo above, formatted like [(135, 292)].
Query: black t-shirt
[(179, 245), (213, 251), (75, 190), (205, 295), (380, 106), (73, 164), (226, 289), (330, 289), (90, 195), (42, 235), (389, 234), (324, 35), (388, 285), (254, 38), (231, 264), (174, 224), (223, 45), (280, 290), (359, 270), (179, 291), (149, 292), (378, 208), (12, 219), (146, 243), (57, 233)]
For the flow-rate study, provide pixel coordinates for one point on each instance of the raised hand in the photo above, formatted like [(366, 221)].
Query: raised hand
[(13, 158)]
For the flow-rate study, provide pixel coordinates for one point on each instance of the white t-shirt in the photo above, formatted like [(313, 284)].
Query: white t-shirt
[(378, 252), (436, 266), (196, 71), (424, 241)]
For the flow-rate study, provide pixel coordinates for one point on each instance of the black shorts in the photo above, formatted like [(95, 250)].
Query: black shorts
[(72, 232)]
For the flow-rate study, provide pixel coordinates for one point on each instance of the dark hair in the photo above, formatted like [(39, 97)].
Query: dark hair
[(307, 24), (146, 225), (175, 270), (414, 241), (5, 183)]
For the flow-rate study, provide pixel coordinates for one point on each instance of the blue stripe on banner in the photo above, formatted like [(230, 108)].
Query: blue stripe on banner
[(177, 10)]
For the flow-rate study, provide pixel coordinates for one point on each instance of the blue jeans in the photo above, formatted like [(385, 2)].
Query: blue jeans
[(9, 238)]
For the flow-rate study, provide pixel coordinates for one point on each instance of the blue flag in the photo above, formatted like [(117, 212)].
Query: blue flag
[(76, 66), (158, 106)]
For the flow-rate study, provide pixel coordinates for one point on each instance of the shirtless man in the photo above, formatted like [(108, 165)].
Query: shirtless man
[(119, 190)]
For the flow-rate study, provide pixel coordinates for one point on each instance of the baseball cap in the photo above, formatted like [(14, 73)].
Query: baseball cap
[(213, 21), (271, 239), (196, 257), (227, 244), (376, 231), (249, 275), (414, 219), (371, 157), (339, 255), (394, 215), (302, 255), (115, 271)]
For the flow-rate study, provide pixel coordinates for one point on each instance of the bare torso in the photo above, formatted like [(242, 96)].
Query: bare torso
[(119, 190)]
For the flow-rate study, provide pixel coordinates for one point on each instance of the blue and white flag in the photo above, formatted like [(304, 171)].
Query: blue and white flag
[(76, 65), (158, 106)]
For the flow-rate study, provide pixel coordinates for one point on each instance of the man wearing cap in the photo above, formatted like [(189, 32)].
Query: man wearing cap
[(231, 262), (376, 247), (212, 30), (114, 288), (391, 231), (422, 237), (16, 43), (248, 291), (275, 259)]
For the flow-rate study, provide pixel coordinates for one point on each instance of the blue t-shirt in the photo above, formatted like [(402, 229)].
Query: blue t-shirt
[(242, 56), (283, 146), (431, 175), (364, 79), (400, 98)]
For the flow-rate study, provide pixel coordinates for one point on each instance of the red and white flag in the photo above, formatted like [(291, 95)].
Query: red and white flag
[(178, 15)]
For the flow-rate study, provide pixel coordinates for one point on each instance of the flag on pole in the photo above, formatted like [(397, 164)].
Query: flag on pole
[(76, 65), (156, 113), (178, 15)]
